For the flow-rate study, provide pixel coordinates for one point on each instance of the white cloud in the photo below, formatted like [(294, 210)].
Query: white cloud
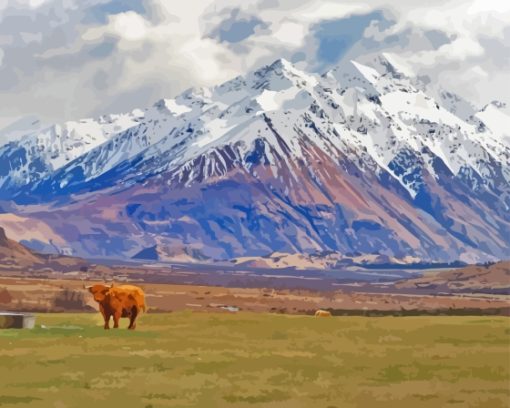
[(488, 6), (290, 33), (458, 50), (36, 3), (130, 26)]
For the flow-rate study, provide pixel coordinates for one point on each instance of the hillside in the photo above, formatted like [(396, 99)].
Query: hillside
[(16, 257), (493, 278), (13, 253)]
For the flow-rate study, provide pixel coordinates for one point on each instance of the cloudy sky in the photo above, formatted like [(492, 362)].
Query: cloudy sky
[(68, 59)]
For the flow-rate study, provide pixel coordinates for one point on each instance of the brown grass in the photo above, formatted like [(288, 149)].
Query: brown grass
[(58, 295)]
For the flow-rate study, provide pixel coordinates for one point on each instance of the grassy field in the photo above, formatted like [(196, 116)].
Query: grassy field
[(257, 360)]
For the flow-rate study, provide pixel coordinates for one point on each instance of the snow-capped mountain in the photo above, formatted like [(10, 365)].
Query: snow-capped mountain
[(357, 159), (40, 153)]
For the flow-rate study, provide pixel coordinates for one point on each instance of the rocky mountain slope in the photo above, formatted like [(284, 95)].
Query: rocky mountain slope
[(359, 159)]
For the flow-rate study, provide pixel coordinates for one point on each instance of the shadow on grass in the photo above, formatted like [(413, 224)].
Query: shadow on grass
[(7, 399)]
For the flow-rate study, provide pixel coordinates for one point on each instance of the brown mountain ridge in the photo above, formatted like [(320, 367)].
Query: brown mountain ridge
[(14, 255)]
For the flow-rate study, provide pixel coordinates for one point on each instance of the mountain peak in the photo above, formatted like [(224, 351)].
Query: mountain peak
[(279, 75), (393, 66), (280, 66), (282, 63), (368, 73)]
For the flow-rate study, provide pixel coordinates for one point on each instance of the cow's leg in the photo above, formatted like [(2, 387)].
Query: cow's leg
[(132, 318), (116, 318), (107, 321), (106, 317)]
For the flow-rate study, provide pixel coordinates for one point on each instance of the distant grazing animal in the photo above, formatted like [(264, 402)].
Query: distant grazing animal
[(118, 301), (322, 313)]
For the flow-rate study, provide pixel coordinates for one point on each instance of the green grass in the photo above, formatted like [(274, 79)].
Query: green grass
[(257, 360)]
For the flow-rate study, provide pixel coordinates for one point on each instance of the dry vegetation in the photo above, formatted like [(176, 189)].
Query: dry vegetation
[(35, 282), (489, 278), (60, 295)]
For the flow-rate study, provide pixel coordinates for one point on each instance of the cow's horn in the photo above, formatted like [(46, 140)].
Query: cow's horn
[(86, 287)]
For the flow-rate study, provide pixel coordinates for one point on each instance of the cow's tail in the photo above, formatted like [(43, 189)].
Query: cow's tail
[(144, 308)]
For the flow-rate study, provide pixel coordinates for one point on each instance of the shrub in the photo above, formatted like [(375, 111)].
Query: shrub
[(69, 300), (5, 296)]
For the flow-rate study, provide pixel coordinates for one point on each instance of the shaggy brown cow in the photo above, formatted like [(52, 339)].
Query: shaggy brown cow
[(322, 313), (119, 301)]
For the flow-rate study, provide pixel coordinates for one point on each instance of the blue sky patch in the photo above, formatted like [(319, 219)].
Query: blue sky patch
[(100, 12), (336, 37), (237, 28)]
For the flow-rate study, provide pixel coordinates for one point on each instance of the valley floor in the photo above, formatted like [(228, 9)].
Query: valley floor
[(60, 295), (191, 359)]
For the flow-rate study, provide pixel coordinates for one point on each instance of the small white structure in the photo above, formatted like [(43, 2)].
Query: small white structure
[(14, 320)]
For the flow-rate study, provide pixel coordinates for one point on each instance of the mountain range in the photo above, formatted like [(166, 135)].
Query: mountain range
[(362, 159)]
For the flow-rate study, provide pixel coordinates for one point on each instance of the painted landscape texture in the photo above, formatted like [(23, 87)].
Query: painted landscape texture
[(233, 169), (244, 360)]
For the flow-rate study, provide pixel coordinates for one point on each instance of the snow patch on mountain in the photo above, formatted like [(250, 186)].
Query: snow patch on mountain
[(353, 110)]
